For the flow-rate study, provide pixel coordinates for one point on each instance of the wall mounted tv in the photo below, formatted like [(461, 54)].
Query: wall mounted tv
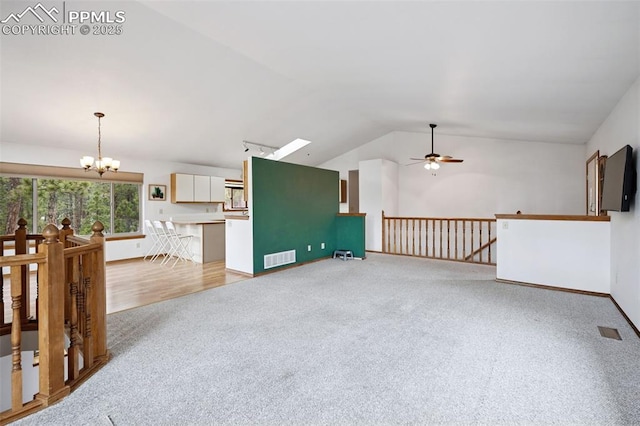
[(619, 184)]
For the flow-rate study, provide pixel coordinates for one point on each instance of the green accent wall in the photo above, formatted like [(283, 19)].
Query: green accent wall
[(351, 234), (293, 206)]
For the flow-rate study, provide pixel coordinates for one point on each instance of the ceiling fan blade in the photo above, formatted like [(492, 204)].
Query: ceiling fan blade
[(417, 162), (417, 159), (450, 160)]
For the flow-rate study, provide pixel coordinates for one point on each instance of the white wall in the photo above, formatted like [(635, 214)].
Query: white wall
[(378, 183), (558, 253), (155, 172), (497, 176), (619, 129), (238, 241)]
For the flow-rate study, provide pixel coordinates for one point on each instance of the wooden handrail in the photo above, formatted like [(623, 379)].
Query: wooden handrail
[(22, 259), (481, 248), (463, 239), (75, 251), (70, 304)]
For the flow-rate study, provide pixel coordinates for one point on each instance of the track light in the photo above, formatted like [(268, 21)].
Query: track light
[(263, 149)]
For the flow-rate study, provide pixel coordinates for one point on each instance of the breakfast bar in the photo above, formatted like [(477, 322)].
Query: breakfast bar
[(208, 238)]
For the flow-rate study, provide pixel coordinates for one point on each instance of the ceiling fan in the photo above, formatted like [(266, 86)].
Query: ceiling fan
[(433, 160)]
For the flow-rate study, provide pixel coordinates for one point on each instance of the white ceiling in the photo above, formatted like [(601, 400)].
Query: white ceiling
[(188, 81)]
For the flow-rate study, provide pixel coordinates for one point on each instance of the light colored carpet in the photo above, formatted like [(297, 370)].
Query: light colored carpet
[(386, 340)]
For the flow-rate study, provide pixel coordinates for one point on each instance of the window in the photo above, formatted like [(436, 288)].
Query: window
[(234, 195), (44, 200), (16, 201)]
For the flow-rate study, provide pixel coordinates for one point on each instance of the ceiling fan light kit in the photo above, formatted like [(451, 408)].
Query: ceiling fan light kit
[(432, 160)]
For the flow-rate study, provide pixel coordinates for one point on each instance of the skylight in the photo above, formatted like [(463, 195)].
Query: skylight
[(288, 149)]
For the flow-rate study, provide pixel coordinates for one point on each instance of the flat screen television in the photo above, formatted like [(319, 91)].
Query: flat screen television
[(619, 184)]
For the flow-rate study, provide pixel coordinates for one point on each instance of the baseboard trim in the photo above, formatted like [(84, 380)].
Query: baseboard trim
[(550, 287), (625, 316), (433, 258), (245, 274), (571, 290), (292, 265)]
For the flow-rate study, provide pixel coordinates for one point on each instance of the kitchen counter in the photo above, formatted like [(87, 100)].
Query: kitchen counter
[(208, 238), (197, 222), (236, 216)]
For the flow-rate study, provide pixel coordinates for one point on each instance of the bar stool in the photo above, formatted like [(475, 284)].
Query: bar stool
[(180, 244), (156, 245), (164, 245)]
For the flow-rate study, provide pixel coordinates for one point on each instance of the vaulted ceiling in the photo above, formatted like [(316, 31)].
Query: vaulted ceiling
[(189, 81)]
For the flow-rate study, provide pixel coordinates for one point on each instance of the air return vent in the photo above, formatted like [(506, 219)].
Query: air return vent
[(611, 333), (278, 259)]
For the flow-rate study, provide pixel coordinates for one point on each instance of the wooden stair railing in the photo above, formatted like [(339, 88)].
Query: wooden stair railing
[(485, 246), (460, 239), (76, 266)]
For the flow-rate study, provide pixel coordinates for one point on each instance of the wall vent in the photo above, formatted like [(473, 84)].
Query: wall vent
[(278, 259)]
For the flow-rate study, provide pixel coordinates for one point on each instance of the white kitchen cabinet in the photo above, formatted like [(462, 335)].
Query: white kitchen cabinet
[(181, 188), (201, 189), (197, 188), (217, 189)]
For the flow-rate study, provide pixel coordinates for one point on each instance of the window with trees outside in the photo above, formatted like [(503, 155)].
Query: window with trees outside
[(41, 201)]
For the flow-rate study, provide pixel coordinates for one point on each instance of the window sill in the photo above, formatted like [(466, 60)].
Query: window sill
[(124, 237)]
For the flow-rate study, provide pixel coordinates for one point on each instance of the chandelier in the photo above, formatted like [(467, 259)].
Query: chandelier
[(101, 165)]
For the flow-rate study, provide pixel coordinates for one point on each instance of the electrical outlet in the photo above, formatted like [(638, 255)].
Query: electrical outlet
[(137, 245), (322, 246), (505, 225), (160, 211), (309, 247), (207, 210)]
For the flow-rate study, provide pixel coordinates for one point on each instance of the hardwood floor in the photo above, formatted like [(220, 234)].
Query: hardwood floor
[(135, 282)]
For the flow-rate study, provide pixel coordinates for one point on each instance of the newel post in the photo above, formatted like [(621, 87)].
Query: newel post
[(99, 295), (51, 318), (65, 231)]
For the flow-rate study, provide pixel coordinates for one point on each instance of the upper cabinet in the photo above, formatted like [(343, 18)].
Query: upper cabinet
[(217, 189), (181, 188), (201, 189), (196, 188)]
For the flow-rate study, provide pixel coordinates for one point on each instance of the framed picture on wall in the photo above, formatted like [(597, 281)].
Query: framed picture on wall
[(157, 192)]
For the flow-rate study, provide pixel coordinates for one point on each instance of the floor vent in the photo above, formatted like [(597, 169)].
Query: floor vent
[(611, 333), (278, 259)]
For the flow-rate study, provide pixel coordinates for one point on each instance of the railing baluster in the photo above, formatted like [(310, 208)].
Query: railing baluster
[(16, 337), (448, 240), (394, 235), (455, 224), (73, 275), (472, 231), (480, 237), (20, 247), (464, 239), (384, 222), (489, 248), (433, 238), (413, 237), (420, 237)]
